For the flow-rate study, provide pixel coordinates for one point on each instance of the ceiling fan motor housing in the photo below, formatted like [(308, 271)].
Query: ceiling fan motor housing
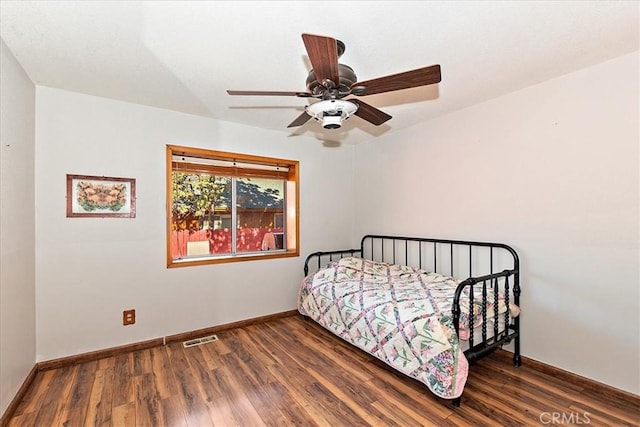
[(347, 78)]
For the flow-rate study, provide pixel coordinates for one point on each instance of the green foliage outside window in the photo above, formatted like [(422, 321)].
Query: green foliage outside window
[(194, 196)]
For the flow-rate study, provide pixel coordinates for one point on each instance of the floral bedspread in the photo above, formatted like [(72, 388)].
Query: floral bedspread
[(399, 314)]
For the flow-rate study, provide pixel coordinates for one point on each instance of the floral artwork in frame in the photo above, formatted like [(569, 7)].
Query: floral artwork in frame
[(101, 196)]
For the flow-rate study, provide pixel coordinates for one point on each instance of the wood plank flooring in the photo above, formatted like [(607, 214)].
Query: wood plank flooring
[(291, 372)]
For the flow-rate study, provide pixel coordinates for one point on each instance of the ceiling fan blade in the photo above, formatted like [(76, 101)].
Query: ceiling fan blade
[(414, 78), (370, 113), (302, 119), (323, 54), (268, 93)]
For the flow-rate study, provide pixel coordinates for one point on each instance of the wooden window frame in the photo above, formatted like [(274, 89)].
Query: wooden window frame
[(291, 211)]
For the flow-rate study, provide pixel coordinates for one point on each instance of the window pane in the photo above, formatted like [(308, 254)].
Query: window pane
[(200, 215), (259, 204)]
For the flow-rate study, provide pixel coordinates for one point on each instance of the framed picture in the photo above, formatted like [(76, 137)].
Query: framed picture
[(101, 196)]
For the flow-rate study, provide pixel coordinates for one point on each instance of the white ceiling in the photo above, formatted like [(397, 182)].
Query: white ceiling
[(183, 56)]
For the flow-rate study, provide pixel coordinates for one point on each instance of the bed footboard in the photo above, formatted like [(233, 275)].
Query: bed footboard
[(493, 290)]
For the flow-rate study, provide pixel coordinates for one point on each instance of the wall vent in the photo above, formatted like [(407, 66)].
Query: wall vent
[(199, 341)]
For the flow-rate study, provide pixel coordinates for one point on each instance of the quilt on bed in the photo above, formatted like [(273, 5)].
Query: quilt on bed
[(399, 314)]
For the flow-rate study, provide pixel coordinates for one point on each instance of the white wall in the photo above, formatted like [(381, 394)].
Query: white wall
[(89, 269), (17, 221), (553, 171)]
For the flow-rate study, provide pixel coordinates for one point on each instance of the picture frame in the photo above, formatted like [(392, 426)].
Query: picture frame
[(100, 197)]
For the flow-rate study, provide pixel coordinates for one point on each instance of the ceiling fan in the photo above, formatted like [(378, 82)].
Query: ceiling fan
[(330, 82)]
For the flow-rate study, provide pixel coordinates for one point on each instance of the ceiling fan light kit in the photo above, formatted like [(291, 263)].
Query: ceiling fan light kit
[(330, 81), (331, 113)]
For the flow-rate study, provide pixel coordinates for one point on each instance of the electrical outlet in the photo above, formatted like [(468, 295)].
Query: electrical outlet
[(128, 317)]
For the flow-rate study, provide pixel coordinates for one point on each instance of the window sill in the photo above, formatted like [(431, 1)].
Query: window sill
[(190, 262)]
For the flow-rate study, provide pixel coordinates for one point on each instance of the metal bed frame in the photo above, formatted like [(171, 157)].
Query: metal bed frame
[(488, 267)]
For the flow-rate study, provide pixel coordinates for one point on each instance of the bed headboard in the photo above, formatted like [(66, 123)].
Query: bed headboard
[(457, 258)]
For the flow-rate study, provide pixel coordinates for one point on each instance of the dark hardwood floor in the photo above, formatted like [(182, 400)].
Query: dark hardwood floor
[(292, 372)]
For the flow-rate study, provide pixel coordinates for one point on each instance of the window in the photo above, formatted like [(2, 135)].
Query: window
[(225, 207)]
